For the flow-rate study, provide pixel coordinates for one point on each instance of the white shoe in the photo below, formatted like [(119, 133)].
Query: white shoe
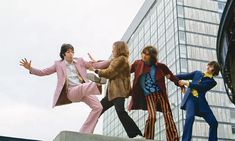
[(138, 137), (94, 78)]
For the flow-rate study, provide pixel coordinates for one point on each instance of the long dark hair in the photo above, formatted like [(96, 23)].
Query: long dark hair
[(64, 48), (152, 52)]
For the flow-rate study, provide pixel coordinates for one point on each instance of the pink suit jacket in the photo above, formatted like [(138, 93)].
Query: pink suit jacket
[(60, 96)]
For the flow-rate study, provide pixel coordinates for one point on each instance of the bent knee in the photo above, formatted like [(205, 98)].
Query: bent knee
[(97, 107), (190, 117), (214, 124)]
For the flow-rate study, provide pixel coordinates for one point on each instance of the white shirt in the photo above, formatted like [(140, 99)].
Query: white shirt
[(72, 74)]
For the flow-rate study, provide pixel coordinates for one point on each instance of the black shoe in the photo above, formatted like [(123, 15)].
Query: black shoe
[(138, 137)]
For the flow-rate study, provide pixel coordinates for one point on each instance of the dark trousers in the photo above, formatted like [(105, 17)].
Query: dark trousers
[(191, 111), (129, 125)]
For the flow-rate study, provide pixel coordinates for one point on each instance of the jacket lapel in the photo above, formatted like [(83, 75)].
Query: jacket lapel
[(197, 78), (63, 67), (78, 66), (159, 72), (79, 69), (139, 71)]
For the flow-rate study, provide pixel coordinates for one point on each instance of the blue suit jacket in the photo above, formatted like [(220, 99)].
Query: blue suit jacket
[(199, 83)]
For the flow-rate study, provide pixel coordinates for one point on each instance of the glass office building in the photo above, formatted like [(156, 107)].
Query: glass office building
[(185, 33)]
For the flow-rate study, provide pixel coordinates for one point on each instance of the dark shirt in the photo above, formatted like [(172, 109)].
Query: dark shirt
[(148, 82)]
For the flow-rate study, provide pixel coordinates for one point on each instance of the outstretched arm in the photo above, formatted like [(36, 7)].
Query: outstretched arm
[(203, 86), (97, 65), (100, 64), (113, 69), (170, 75), (27, 65), (186, 76), (174, 79)]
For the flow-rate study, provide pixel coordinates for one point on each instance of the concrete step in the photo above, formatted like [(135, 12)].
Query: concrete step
[(76, 136)]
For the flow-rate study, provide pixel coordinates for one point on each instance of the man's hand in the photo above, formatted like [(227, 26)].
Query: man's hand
[(92, 59), (183, 83), (90, 67), (183, 90), (130, 103), (24, 62)]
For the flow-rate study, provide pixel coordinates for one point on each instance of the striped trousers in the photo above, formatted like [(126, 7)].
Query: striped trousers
[(171, 131)]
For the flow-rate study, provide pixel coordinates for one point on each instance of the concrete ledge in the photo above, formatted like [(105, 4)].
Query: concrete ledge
[(3, 138), (76, 136)]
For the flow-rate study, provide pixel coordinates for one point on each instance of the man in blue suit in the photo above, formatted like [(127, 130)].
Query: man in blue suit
[(194, 101)]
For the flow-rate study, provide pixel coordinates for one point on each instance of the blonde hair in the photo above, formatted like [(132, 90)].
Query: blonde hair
[(121, 48)]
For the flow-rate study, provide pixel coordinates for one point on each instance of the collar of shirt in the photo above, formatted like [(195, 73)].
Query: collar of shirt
[(67, 63), (206, 74)]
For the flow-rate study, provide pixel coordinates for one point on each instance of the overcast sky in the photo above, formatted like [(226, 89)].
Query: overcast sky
[(35, 29)]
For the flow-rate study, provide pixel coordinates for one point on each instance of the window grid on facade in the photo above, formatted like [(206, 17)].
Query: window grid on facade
[(184, 32)]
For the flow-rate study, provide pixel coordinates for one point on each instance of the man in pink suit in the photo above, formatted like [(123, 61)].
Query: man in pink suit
[(73, 84)]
